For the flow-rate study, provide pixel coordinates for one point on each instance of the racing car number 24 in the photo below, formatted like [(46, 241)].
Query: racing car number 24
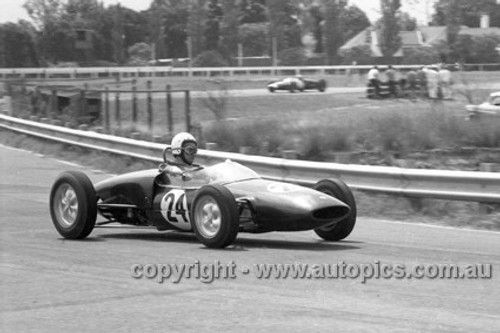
[(174, 209)]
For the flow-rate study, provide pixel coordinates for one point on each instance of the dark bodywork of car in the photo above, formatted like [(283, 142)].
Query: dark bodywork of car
[(158, 199)]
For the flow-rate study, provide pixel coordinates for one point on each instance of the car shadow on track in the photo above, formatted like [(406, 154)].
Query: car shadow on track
[(241, 243)]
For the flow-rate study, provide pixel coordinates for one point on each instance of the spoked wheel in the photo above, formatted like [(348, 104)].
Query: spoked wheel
[(337, 189), (73, 205), (215, 216)]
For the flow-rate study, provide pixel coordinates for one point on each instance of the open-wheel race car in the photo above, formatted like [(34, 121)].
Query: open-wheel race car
[(298, 83), (214, 202)]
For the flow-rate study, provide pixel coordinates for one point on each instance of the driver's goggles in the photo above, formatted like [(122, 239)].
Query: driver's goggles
[(190, 150)]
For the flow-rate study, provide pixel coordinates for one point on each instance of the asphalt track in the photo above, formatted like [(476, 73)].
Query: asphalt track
[(49, 284)]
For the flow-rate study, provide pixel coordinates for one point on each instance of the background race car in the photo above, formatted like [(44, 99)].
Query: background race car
[(293, 84), (214, 202)]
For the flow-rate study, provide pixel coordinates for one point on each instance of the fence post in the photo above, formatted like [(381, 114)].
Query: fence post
[(53, 104), (118, 119), (150, 109), (170, 121), (188, 110), (134, 106), (106, 110), (82, 113)]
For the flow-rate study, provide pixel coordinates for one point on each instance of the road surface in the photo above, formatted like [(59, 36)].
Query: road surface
[(54, 285)]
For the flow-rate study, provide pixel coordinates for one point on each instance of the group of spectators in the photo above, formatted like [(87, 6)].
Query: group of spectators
[(432, 81)]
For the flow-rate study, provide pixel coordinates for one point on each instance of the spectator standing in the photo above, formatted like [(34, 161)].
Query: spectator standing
[(374, 79), (422, 82), (411, 79), (445, 82), (432, 78), (390, 73)]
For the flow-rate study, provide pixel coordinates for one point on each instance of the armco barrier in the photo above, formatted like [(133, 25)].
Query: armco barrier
[(439, 184)]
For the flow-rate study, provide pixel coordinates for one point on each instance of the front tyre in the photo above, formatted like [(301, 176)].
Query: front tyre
[(73, 205), (215, 216), (337, 189)]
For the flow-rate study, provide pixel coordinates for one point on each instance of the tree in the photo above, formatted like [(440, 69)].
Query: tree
[(421, 55), (390, 41), (55, 40), (333, 37), (406, 22), (195, 28), (284, 26), (230, 23), (254, 37), (468, 12), (361, 54), (139, 54), (477, 49), (175, 21), (253, 11), (317, 17), (213, 22), (17, 47), (354, 20)]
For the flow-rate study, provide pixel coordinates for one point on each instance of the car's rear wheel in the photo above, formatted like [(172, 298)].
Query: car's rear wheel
[(215, 216), (271, 89), (337, 189), (293, 87), (73, 205), (322, 85)]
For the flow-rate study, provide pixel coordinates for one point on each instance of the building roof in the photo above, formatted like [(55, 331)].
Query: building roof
[(423, 36)]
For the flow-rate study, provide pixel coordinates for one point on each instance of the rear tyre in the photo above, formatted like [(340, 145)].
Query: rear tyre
[(293, 87), (214, 216), (271, 89), (73, 205), (322, 85), (337, 189)]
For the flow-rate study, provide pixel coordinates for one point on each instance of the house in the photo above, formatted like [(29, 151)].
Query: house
[(422, 36)]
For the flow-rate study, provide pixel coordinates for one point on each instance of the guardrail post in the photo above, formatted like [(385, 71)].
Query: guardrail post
[(187, 110), (170, 121), (134, 105), (106, 110), (150, 108)]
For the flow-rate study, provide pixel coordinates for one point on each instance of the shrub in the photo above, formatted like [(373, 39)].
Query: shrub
[(295, 56), (210, 59), (420, 55), (139, 54), (360, 54)]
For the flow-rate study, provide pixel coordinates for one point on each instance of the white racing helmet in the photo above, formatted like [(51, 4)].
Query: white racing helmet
[(179, 140)]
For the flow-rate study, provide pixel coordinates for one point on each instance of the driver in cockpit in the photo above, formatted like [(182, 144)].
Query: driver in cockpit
[(184, 148)]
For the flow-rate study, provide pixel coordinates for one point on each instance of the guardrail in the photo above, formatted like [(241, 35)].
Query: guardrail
[(163, 71), (439, 184)]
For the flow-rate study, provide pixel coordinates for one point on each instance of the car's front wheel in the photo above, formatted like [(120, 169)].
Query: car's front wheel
[(337, 189), (73, 205), (214, 216)]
